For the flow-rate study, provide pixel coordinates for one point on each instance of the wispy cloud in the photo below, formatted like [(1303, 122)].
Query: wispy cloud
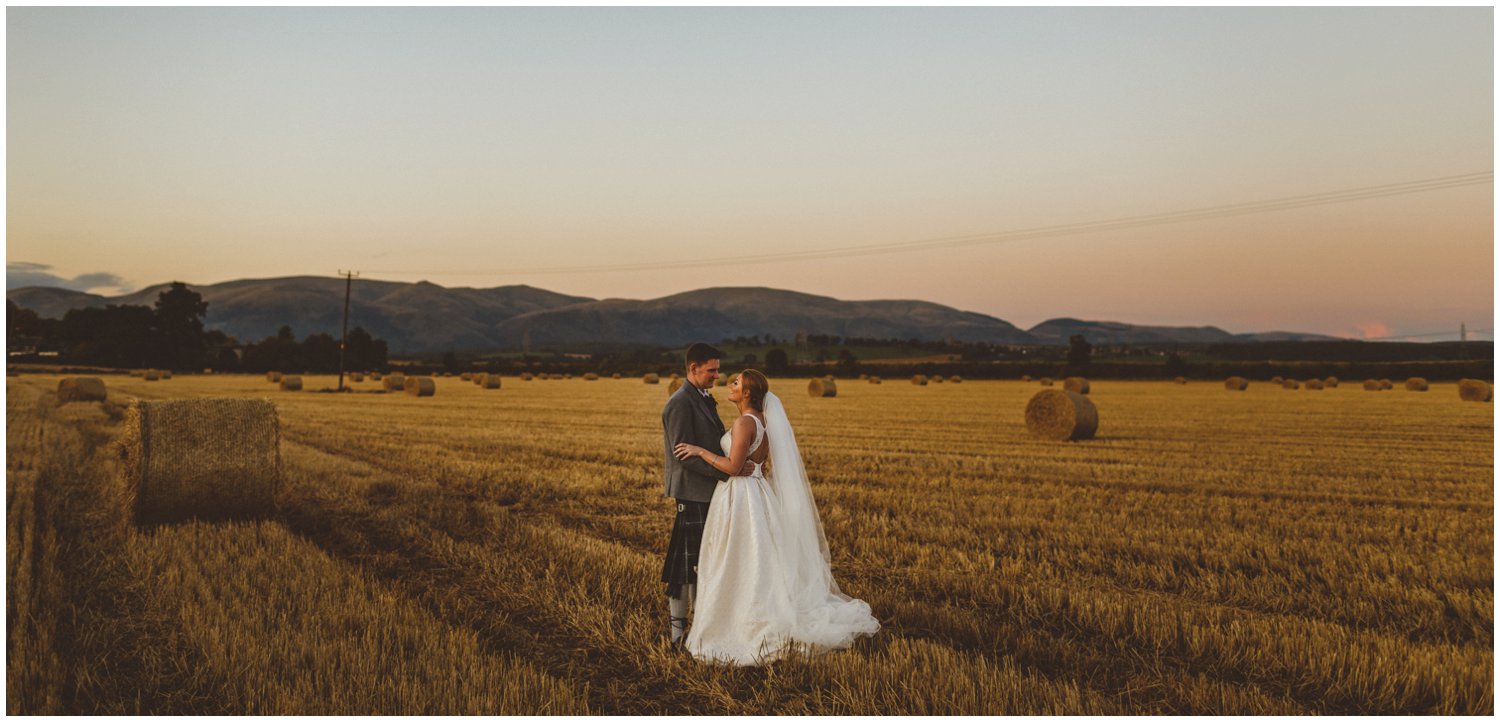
[(19, 274)]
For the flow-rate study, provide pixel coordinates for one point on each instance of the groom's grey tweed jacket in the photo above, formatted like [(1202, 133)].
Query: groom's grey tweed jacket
[(690, 418)]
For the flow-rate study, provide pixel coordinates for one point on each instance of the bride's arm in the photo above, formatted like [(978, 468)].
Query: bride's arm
[(739, 450)]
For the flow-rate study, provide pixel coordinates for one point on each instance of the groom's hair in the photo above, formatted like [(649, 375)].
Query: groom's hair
[(756, 385), (702, 353)]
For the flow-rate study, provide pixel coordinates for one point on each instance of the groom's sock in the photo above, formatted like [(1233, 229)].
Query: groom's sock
[(679, 611)]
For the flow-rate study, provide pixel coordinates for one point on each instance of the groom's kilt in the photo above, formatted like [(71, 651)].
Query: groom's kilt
[(681, 566)]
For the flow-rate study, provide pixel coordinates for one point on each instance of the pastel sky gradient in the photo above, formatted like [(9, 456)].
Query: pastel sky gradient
[(460, 145)]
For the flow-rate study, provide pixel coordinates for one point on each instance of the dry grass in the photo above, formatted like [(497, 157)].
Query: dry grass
[(1206, 553)]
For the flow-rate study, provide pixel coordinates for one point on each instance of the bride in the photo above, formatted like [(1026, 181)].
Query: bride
[(764, 583)]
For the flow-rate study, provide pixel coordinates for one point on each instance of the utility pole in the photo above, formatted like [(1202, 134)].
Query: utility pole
[(1463, 341), (344, 335)]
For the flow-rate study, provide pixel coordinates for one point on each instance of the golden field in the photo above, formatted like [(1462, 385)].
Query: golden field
[(498, 551)]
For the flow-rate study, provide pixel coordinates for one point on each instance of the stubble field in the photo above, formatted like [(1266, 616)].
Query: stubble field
[(498, 551)]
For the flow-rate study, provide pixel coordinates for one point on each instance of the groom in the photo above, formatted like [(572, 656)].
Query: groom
[(690, 416)]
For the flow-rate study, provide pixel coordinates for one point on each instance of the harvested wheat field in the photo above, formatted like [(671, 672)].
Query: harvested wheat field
[(472, 552)]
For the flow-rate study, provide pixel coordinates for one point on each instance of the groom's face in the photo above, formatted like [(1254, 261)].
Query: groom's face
[(703, 375)]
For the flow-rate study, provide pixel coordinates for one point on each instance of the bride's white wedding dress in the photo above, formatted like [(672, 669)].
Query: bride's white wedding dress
[(764, 583)]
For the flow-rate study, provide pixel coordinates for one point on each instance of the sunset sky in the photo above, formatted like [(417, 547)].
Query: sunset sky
[(495, 146)]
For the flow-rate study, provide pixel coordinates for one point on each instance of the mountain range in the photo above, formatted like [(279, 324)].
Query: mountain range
[(425, 317)]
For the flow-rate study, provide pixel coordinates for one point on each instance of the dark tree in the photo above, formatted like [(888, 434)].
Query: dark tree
[(119, 336), (776, 362), (1079, 350), (179, 328), (1175, 366), (450, 362), (847, 359), (363, 352)]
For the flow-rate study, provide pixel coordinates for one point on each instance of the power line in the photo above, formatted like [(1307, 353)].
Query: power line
[(1010, 236)]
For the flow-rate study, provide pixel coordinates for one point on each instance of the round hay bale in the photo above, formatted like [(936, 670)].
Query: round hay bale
[(1386, 385), (1180, 380), (206, 458), (273, 376), (1236, 383), (1416, 383), (567, 376), (937, 379), (357, 377), (864, 377), (491, 381), (723, 380), (153, 375), (955, 379), (1313, 384), (1076, 384), (1372, 385), (674, 385), (1061, 415), (476, 379), (166, 373), (394, 382), (651, 379), (591, 376), (1026, 378), (1331, 382), (525, 375), (875, 380), (291, 383), (1277, 379), (1290, 384), (80, 388), (1475, 390), (208, 371), (466, 376), (615, 376), (141, 373), (822, 388), (374, 377), (919, 380), (425, 386)]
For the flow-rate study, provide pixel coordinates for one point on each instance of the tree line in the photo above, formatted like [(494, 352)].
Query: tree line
[(170, 335)]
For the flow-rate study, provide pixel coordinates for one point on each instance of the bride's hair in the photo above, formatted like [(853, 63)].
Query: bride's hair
[(756, 384)]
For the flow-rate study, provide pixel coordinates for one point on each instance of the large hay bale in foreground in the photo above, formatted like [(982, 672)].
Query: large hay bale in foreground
[(919, 380), (1372, 385), (426, 386), (1475, 390), (1416, 383), (672, 387), (822, 388), (80, 388), (291, 383), (394, 382), (1331, 382), (1076, 384), (651, 379), (273, 376), (1061, 415), (491, 381), (1236, 383), (209, 458)]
